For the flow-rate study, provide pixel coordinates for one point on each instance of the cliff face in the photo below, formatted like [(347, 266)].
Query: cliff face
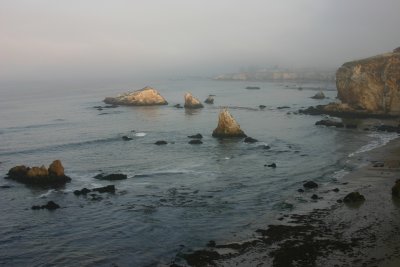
[(371, 84)]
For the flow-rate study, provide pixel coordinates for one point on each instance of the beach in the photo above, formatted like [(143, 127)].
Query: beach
[(362, 234)]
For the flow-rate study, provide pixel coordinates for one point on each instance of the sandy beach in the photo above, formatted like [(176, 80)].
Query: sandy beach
[(363, 234)]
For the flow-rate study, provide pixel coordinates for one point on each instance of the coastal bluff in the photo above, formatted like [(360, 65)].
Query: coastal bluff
[(367, 88), (146, 96), (371, 85)]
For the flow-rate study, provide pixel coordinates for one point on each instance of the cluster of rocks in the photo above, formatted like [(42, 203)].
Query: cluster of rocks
[(51, 205), (104, 189), (149, 96), (53, 175)]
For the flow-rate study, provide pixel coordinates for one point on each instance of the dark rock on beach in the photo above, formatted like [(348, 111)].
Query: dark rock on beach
[(310, 185), (49, 206), (396, 189), (353, 197), (250, 140), (195, 142), (54, 175), (111, 177), (388, 128)]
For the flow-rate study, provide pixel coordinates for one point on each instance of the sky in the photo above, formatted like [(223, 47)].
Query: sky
[(48, 39)]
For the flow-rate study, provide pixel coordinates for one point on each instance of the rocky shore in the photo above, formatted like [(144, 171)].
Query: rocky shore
[(364, 233)]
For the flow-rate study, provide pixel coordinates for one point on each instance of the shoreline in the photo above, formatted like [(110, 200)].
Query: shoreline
[(366, 234)]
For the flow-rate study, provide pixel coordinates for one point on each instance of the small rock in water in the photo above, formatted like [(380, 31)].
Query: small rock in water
[(195, 142), (262, 106), (227, 126), (209, 100), (191, 102), (50, 206), (319, 95), (315, 197), (351, 126), (126, 138), (250, 140), (336, 190), (196, 136), (105, 189), (310, 185), (273, 165), (283, 107), (300, 190), (178, 106), (83, 191), (354, 197), (161, 142)]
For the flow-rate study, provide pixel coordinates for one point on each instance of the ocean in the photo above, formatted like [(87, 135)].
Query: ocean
[(178, 196)]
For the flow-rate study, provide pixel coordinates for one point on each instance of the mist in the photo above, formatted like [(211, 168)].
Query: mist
[(92, 39)]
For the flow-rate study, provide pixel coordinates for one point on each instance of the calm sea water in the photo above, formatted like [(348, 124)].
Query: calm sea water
[(176, 196)]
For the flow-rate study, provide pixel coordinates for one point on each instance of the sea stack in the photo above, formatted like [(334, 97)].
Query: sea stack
[(227, 126), (54, 175), (147, 96), (192, 102), (372, 84)]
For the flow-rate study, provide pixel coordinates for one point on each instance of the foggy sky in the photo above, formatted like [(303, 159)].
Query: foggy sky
[(45, 39)]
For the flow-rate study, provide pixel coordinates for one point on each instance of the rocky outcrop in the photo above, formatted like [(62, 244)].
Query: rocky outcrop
[(372, 84), (227, 126), (147, 96), (191, 101), (54, 175)]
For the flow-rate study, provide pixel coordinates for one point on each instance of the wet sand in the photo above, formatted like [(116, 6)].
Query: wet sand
[(361, 234)]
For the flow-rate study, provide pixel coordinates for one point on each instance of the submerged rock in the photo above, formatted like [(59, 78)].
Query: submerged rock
[(319, 95), (126, 138), (253, 88), (105, 189), (54, 175), (250, 140), (227, 126), (330, 123), (192, 102), (178, 106), (209, 100), (196, 136), (262, 106), (147, 96), (195, 142), (111, 177), (272, 165)]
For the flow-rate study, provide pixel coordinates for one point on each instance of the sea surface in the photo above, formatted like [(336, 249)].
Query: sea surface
[(177, 197)]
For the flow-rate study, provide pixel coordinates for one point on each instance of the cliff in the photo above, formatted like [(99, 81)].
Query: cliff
[(371, 85)]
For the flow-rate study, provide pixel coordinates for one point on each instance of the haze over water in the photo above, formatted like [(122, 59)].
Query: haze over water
[(59, 60)]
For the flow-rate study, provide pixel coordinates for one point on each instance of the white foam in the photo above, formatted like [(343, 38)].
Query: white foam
[(48, 193), (380, 139), (140, 134), (340, 174)]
